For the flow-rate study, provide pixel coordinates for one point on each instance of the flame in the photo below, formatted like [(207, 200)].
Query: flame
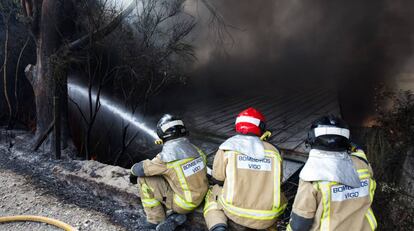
[(370, 121)]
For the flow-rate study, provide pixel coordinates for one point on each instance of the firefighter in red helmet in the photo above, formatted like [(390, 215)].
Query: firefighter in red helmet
[(251, 170)]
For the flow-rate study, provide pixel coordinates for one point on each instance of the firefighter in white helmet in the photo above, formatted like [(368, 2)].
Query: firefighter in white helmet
[(336, 185), (251, 170), (174, 180)]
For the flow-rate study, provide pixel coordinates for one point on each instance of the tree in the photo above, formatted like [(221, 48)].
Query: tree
[(53, 28), (149, 52), (8, 10)]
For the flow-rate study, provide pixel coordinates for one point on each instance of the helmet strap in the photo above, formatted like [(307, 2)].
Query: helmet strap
[(158, 142)]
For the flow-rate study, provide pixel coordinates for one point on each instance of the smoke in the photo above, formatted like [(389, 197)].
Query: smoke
[(354, 46)]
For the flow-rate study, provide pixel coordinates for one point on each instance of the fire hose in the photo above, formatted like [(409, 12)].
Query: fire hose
[(46, 220)]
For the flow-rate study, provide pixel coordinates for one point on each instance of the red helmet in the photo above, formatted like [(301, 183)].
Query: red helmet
[(250, 121)]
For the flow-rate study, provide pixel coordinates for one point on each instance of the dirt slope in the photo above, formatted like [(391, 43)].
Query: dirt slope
[(19, 196)]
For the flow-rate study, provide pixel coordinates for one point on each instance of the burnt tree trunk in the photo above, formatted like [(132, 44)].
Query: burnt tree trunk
[(52, 25), (48, 75)]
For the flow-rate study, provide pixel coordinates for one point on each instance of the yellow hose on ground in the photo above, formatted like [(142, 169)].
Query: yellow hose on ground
[(46, 220)]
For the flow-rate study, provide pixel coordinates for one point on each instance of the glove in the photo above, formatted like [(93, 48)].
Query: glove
[(133, 179)]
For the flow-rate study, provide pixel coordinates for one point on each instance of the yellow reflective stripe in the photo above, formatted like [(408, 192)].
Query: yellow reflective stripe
[(202, 154), (183, 183), (275, 153), (252, 213), (145, 190), (326, 202), (207, 203), (360, 154), (210, 206), (288, 228), (363, 173), (372, 187), (364, 176), (363, 170), (183, 204), (230, 176), (178, 163), (150, 203), (277, 172), (371, 219), (276, 185), (315, 186)]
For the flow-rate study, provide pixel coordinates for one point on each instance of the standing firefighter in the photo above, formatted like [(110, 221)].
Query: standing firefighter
[(251, 170), (336, 185), (175, 179)]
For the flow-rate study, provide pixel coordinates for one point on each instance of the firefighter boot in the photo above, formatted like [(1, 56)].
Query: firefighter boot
[(172, 222), (219, 227), (148, 225)]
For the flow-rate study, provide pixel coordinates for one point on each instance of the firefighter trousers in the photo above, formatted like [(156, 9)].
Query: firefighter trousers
[(155, 194), (213, 211)]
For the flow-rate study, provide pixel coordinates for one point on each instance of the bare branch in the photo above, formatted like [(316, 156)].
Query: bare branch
[(6, 21), (79, 109), (44, 136), (101, 33), (16, 80), (218, 23)]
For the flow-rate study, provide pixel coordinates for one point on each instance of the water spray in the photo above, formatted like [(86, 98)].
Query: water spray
[(116, 110)]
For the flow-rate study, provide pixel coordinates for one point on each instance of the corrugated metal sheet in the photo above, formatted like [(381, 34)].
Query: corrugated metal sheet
[(289, 116)]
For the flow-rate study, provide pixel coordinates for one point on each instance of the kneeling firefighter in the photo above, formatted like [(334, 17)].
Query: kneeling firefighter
[(175, 179), (336, 185), (251, 170)]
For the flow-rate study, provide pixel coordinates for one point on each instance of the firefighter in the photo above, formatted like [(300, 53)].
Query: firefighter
[(175, 180), (336, 185), (251, 170)]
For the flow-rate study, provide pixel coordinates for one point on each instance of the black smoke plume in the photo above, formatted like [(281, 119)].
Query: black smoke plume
[(352, 45)]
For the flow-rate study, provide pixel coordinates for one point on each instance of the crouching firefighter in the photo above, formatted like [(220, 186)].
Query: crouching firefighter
[(251, 170), (336, 185), (175, 180)]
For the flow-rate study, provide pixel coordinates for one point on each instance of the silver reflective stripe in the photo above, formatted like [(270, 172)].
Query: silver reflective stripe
[(320, 131), (183, 183), (150, 202), (371, 219), (230, 172), (248, 119), (277, 173), (168, 125), (250, 213), (182, 203)]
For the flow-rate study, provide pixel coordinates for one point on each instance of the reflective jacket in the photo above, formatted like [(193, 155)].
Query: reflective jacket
[(324, 205), (186, 177), (251, 193)]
